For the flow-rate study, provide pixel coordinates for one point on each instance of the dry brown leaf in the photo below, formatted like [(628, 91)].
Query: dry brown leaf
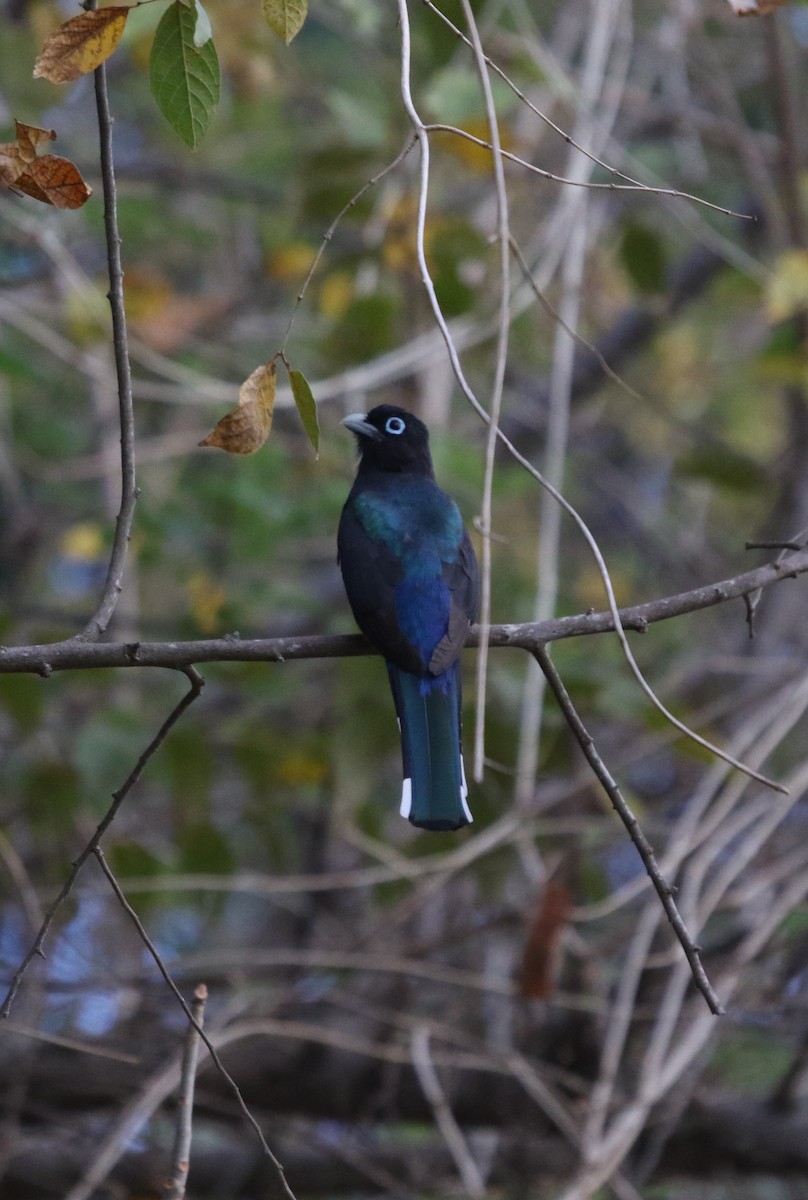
[(55, 181), (31, 138), (541, 949), (15, 156), (80, 44), (245, 428), (48, 178)]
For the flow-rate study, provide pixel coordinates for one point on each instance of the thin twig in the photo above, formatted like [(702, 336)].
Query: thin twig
[(591, 348), (602, 31), (791, 545), (110, 1147), (181, 1156), (129, 491), (220, 1067), (174, 1187), (444, 1117), (36, 950), (497, 384), (784, 103), (617, 1028), (329, 233), (712, 801), (663, 889), (631, 184), (587, 185)]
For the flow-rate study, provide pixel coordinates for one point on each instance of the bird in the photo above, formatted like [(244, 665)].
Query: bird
[(411, 579)]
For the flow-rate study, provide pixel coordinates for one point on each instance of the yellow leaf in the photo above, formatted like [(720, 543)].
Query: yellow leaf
[(336, 293), (80, 45), (147, 292), (245, 428), (290, 262), (285, 17), (299, 770), (787, 289), (206, 600), (86, 312), (83, 541)]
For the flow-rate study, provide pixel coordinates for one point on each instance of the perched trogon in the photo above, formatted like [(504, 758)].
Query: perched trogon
[(411, 578)]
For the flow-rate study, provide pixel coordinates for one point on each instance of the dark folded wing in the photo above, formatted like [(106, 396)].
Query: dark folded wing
[(462, 578), (371, 573)]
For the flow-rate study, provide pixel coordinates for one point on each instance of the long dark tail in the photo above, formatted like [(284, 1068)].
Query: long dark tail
[(434, 792)]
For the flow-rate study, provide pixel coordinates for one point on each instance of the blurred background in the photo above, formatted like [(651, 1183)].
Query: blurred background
[(501, 1012)]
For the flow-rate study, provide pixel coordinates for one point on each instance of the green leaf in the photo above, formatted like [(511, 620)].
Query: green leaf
[(204, 848), (364, 330), (131, 861), (53, 796), (306, 407), (285, 17), (188, 755), (184, 78), (642, 253), (15, 366), (454, 246)]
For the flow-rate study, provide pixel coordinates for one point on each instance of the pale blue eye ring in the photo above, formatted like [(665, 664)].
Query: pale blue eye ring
[(394, 425)]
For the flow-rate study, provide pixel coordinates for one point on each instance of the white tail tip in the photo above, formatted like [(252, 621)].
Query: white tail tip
[(406, 798)]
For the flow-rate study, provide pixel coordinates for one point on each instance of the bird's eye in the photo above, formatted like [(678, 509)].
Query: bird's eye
[(394, 425)]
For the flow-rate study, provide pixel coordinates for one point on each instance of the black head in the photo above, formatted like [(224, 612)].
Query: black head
[(391, 439)]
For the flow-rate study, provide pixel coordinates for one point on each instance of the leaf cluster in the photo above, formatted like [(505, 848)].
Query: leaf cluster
[(183, 65)]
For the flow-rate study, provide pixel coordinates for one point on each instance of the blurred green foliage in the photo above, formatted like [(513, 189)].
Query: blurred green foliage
[(222, 544), (275, 762)]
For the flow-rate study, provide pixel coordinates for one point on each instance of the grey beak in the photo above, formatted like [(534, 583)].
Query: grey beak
[(359, 424)]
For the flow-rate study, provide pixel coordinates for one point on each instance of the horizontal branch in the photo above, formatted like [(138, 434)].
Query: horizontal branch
[(75, 655)]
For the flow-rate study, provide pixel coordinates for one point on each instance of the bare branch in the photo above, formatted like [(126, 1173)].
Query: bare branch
[(181, 1155), (663, 889), (73, 655)]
